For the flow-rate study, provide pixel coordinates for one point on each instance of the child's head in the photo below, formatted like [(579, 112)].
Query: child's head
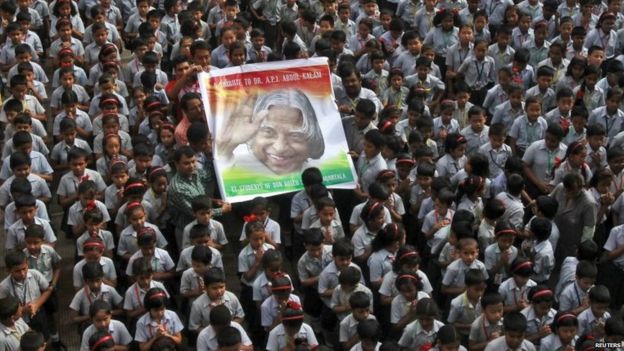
[(521, 269), (360, 305), (493, 209), (342, 252), (565, 325), (143, 271), (407, 259), (101, 314), (17, 265), (515, 325), (272, 263), (313, 242), (101, 340), (448, 339), (214, 283), (135, 213), (541, 228), (596, 134), (92, 273), (155, 302), (281, 287), (146, 240), (292, 319), (34, 235), (93, 248), (134, 190), (586, 273), (229, 338), (443, 201), (220, 318), (492, 304), (505, 234), (373, 215), (26, 208), (468, 250), (32, 340), (455, 145), (201, 258), (369, 333), (408, 284), (202, 208), (599, 300), (426, 312), (542, 299), (475, 284), (364, 113)]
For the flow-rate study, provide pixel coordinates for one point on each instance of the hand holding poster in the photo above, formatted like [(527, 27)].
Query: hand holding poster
[(271, 121)]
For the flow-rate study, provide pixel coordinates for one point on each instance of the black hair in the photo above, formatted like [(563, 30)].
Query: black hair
[(587, 250), (34, 231), (540, 293), (369, 330), (14, 258), (547, 206), (490, 299), (142, 266), (359, 299), (101, 340), (599, 294), (312, 236), (201, 203), (389, 234), (311, 176), (229, 336), (220, 315), (541, 228), (474, 277), (26, 200), (515, 322), (31, 340), (271, 257), (8, 307), (515, 184), (21, 138), (155, 298), (493, 209), (342, 248), (586, 269), (100, 305), (201, 254), (426, 169), (406, 255), (522, 267), (18, 159), (20, 186), (92, 270)]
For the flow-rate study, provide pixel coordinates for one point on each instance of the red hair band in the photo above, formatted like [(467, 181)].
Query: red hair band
[(545, 292), (118, 160), (155, 113), (461, 139), (132, 205), (153, 104), (281, 288), (406, 160), (292, 318), (157, 169), (251, 218), (101, 341), (373, 207), (166, 125), (407, 276), (93, 244), (109, 101), (525, 264), (134, 185), (157, 295), (408, 254), (505, 231), (565, 316)]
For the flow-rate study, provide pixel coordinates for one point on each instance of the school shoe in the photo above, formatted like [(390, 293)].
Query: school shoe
[(58, 346)]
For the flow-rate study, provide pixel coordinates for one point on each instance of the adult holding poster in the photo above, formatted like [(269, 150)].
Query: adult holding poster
[(281, 132), (270, 122)]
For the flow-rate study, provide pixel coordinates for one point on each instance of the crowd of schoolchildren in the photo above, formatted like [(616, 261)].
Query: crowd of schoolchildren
[(488, 138)]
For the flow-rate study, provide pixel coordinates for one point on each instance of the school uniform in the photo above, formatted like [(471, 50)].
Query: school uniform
[(571, 297), (354, 135), (512, 293), (270, 226), (108, 267), (57, 94), (389, 289), (364, 93), (431, 85), (526, 132), (128, 239), (400, 306), (328, 279), (463, 311), (262, 287), (116, 329), (500, 343), (588, 321), (506, 114), (76, 212), (38, 165), (447, 166), (207, 338), (146, 327), (535, 323), (68, 185), (39, 189), (502, 57), (362, 239), (456, 271), (15, 237), (552, 342), (270, 309), (495, 96), (414, 336), (277, 339), (308, 267), (217, 233), (597, 37), (161, 261), (542, 160), (544, 261), (10, 213), (497, 158), (613, 123), (201, 307), (26, 291), (10, 336), (368, 169), (79, 74), (379, 264), (481, 329), (134, 295), (83, 299), (348, 327), (38, 145), (104, 235), (492, 255), (565, 168), (518, 38), (475, 140)]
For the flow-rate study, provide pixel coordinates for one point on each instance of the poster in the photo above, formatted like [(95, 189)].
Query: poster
[(269, 122)]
